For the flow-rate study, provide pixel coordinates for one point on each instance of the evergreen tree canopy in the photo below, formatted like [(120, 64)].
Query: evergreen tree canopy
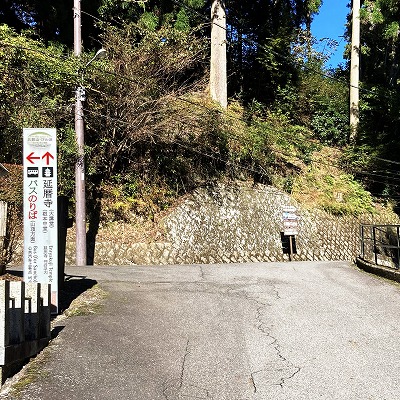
[(380, 53), (261, 36), (260, 33), (51, 20)]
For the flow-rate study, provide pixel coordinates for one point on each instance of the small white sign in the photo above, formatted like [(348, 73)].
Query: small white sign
[(290, 221), (40, 209), (290, 232)]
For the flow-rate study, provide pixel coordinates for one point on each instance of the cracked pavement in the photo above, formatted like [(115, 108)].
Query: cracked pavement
[(311, 330)]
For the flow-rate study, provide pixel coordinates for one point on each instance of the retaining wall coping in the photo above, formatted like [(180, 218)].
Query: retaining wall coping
[(380, 270)]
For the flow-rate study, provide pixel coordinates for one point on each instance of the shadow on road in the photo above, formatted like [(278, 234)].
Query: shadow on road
[(73, 287), (69, 290)]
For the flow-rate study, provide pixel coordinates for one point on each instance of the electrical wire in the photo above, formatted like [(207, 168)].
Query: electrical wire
[(371, 174), (94, 17), (259, 172), (228, 162), (283, 56), (42, 52), (191, 148), (250, 42)]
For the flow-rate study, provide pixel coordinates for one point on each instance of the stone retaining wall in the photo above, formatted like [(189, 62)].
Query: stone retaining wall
[(239, 223)]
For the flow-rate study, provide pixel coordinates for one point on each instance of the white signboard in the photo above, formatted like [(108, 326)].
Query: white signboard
[(40, 209), (290, 221)]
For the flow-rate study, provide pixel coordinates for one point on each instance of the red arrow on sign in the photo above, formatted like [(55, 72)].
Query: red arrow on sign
[(30, 158), (47, 156)]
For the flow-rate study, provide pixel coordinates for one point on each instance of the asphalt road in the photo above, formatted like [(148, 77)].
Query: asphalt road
[(228, 332)]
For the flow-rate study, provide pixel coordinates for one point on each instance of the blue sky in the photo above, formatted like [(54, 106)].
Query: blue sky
[(330, 23)]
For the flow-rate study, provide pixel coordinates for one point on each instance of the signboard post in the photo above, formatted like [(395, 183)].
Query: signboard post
[(290, 224), (40, 209)]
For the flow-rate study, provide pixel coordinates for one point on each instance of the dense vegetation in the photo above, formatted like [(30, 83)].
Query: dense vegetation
[(152, 133)]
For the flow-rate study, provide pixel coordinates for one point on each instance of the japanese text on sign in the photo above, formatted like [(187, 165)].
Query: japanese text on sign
[(290, 221), (40, 208)]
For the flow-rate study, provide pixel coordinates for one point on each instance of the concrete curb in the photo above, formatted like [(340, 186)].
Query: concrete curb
[(380, 270)]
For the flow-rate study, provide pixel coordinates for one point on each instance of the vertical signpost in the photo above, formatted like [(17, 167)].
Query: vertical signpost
[(290, 225), (40, 209)]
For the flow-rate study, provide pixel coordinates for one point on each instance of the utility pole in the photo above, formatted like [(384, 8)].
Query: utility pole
[(80, 195), (355, 72), (218, 80)]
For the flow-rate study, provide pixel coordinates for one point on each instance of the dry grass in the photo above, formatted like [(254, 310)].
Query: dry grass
[(326, 186), (89, 302)]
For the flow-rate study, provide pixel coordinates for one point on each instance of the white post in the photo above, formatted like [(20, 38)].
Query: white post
[(3, 218), (355, 72), (218, 80)]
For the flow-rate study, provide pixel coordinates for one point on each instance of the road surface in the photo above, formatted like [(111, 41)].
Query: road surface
[(279, 331)]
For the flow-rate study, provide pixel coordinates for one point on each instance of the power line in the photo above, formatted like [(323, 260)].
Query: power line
[(189, 148), (234, 118), (245, 39), (43, 52), (283, 56), (190, 102), (364, 173), (250, 42), (388, 161), (94, 17), (229, 162)]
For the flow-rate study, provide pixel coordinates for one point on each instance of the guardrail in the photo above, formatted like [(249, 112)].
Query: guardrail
[(24, 321), (380, 244)]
